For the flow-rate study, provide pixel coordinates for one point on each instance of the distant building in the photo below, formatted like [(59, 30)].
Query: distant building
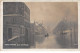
[(16, 24), (67, 34), (39, 32), (39, 29)]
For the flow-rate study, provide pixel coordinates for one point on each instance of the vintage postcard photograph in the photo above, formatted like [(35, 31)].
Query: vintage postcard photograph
[(40, 25)]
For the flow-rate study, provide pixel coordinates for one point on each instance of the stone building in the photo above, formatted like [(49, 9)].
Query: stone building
[(32, 40), (16, 25)]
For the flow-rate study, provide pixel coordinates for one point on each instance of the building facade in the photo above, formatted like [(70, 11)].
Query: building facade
[(67, 34), (16, 25), (32, 40)]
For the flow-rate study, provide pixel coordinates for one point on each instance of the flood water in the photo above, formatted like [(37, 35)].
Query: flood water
[(49, 42)]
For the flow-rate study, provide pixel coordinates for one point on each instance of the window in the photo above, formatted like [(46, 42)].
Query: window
[(14, 20), (22, 30), (9, 33)]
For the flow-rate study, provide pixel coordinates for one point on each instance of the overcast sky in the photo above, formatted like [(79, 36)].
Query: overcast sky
[(50, 13)]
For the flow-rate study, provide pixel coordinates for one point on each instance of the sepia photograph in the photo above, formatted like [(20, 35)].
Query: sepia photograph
[(40, 25)]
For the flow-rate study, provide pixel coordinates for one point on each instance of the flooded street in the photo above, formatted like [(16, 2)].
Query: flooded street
[(49, 42), (44, 25)]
